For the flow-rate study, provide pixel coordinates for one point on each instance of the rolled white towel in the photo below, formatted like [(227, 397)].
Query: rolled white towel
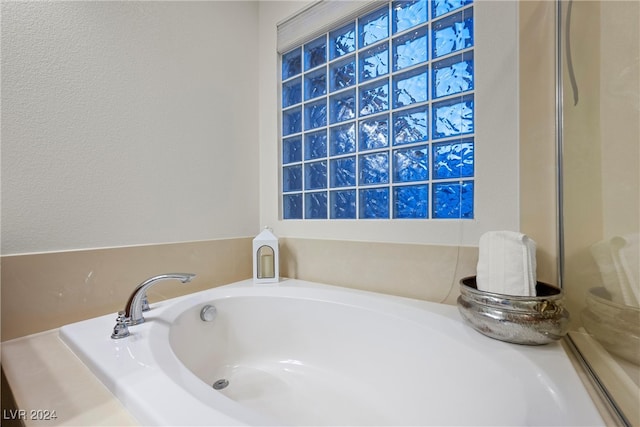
[(507, 263)]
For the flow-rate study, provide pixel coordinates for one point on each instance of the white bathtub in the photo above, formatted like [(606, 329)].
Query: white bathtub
[(299, 353)]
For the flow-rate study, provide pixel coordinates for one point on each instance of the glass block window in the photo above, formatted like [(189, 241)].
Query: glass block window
[(378, 114)]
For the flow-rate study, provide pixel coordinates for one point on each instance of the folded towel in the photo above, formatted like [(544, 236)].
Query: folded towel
[(507, 263)]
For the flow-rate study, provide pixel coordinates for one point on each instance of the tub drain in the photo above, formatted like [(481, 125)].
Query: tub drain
[(220, 384)]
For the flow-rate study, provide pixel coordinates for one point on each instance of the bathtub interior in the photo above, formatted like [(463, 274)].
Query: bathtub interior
[(313, 362), (301, 353)]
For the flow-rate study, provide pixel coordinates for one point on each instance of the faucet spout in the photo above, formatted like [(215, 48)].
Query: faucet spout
[(133, 309)]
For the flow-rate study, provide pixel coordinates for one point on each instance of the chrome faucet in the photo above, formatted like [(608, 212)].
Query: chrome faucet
[(135, 304)]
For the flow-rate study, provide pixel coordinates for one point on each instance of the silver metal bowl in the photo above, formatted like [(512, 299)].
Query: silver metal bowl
[(516, 319)]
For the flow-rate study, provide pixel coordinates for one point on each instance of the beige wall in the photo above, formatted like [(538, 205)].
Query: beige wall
[(124, 123), (538, 195), (48, 290), (601, 138), (67, 286)]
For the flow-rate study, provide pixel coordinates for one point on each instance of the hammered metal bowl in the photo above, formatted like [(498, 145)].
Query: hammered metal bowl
[(516, 319)]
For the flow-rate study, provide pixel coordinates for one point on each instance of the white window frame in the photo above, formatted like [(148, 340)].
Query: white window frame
[(496, 149)]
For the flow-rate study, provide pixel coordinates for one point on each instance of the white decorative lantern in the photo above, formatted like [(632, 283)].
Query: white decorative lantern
[(266, 260)]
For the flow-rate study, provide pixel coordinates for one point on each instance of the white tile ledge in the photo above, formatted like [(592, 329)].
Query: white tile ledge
[(45, 375)]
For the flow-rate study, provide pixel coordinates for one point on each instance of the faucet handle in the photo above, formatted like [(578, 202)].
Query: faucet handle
[(121, 330)]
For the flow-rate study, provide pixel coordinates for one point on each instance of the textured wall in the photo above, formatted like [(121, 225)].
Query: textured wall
[(127, 123)]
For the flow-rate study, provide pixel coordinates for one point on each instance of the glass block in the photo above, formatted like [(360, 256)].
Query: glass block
[(374, 203), (374, 168), (315, 115), (453, 159), (343, 204), (315, 145), (407, 14), (374, 98), (411, 164), (410, 87), (342, 41), (453, 33), (453, 75), (374, 133), (291, 150), (315, 84), (411, 201), (453, 200), (440, 7), (342, 74), (411, 125), (292, 178), (291, 92), (342, 139), (343, 106), (315, 53), (315, 175), (343, 172), (374, 62), (410, 49), (315, 205), (292, 206), (373, 27), (453, 117), (291, 121), (291, 63)]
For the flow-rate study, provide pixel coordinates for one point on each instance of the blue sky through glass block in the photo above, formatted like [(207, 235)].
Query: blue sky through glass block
[(315, 115), (342, 41), (291, 63), (315, 145), (411, 164), (343, 204), (411, 201), (343, 106), (291, 93), (410, 126), (292, 178), (315, 84), (315, 53), (410, 49), (343, 74), (342, 139), (374, 203), (374, 62), (453, 159), (292, 206), (315, 175), (453, 75), (357, 116), (410, 87), (452, 33), (291, 150), (374, 98), (453, 117), (440, 7), (453, 200), (373, 27), (315, 205), (343, 172), (374, 168), (407, 14), (291, 121), (374, 133)]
